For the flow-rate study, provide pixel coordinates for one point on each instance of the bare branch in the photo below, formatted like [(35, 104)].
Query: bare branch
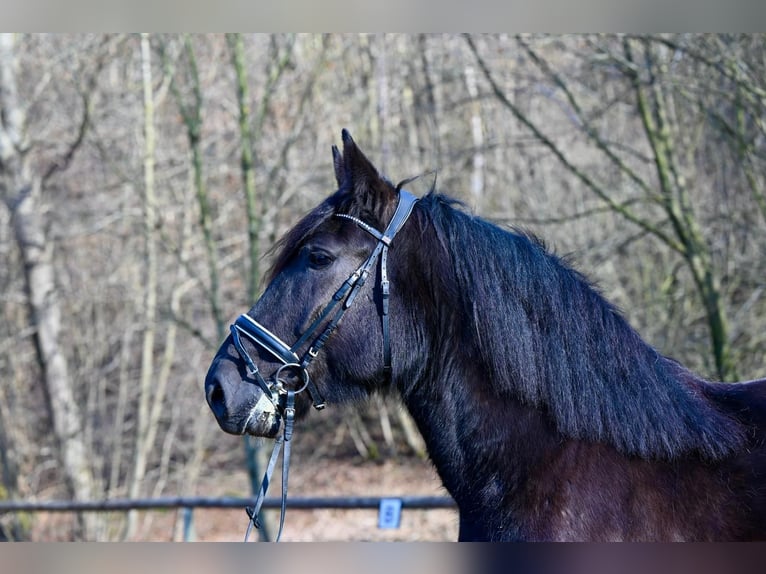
[(589, 182)]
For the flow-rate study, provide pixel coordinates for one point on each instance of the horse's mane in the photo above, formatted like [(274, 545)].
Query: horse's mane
[(550, 339)]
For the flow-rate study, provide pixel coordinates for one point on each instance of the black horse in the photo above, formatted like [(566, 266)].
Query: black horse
[(546, 415)]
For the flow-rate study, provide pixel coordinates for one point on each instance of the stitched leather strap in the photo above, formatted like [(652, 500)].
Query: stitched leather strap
[(284, 440)]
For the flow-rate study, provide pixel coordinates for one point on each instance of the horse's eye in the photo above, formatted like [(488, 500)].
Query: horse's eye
[(320, 259)]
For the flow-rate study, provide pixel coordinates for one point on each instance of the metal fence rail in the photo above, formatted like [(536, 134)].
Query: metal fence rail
[(302, 503), (388, 507)]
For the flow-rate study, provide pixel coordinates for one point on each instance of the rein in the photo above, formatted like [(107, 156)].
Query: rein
[(278, 390)]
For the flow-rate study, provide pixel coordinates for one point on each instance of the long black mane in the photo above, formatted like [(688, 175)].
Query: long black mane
[(549, 338)]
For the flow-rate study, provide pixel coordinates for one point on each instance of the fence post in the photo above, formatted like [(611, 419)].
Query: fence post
[(188, 518)]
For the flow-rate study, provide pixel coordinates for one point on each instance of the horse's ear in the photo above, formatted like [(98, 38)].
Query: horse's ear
[(359, 170), (369, 190), (337, 162)]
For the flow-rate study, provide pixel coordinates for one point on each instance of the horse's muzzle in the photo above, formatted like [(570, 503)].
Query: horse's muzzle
[(239, 406)]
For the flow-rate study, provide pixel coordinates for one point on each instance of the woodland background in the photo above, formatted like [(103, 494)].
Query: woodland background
[(144, 177)]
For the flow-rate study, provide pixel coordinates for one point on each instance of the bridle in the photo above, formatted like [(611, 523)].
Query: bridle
[(278, 390)]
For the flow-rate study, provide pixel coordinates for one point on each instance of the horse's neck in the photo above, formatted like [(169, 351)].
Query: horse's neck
[(479, 441)]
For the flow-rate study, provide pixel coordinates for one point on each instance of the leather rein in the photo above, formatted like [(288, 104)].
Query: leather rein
[(278, 390)]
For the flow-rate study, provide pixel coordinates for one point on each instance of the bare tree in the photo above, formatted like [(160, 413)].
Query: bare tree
[(21, 187), (646, 71)]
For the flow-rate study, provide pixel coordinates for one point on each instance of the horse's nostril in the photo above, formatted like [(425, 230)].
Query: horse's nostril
[(216, 398)]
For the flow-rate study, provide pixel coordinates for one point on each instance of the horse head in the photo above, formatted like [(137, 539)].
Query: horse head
[(292, 345)]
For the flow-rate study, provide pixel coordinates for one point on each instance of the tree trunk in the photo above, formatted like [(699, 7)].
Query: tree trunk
[(21, 190), (143, 445), (652, 107), (237, 48), (477, 133), (12, 526)]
